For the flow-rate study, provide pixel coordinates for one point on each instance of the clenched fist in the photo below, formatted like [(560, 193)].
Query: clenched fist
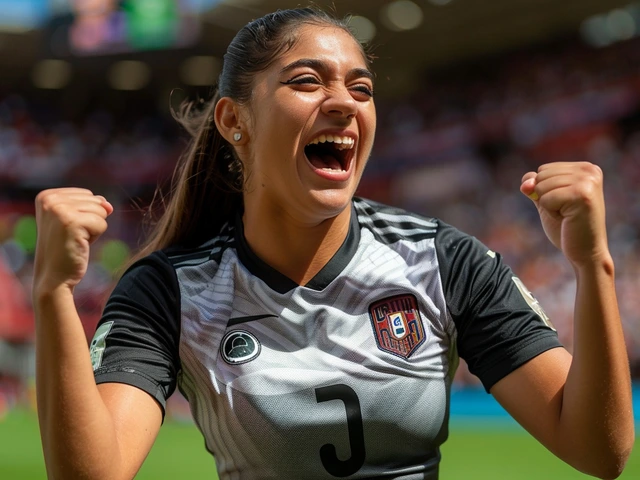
[(69, 220), (570, 201)]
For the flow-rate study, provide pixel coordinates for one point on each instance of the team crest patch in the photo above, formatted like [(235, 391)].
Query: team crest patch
[(239, 346), (98, 344), (397, 325)]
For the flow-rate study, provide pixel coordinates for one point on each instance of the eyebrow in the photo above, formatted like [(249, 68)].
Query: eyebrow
[(322, 66)]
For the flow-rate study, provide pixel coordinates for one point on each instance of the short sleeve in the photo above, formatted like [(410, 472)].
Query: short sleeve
[(136, 341), (500, 325)]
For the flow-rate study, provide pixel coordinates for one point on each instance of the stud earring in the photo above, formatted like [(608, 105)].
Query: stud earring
[(237, 136)]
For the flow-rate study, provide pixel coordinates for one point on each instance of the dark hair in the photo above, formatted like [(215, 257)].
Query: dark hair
[(207, 183)]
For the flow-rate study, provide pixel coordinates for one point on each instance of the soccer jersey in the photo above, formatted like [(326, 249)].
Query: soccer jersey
[(347, 376)]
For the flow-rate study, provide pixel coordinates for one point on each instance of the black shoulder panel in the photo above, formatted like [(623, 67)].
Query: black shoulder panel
[(137, 338)]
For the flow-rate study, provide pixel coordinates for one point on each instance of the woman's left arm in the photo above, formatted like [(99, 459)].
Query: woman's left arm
[(579, 407)]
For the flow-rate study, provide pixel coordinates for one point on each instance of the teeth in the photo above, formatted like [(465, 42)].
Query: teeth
[(342, 143)]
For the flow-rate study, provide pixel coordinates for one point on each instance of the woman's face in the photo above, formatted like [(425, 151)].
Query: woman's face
[(311, 124)]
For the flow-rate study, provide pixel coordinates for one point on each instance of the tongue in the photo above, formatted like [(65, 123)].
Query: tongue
[(324, 160)]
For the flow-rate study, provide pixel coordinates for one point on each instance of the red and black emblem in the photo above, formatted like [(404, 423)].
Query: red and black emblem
[(397, 325)]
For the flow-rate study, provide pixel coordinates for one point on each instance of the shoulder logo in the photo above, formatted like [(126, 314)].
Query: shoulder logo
[(98, 344), (533, 302), (397, 324), (239, 346)]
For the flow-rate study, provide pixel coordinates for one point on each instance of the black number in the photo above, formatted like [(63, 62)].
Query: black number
[(330, 461)]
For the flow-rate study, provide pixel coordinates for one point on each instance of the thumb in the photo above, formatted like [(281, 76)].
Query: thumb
[(528, 186)]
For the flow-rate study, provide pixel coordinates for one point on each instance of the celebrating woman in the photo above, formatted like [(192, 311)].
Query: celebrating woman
[(316, 334)]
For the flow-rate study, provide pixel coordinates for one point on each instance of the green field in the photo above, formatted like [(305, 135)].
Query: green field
[(471, 453)]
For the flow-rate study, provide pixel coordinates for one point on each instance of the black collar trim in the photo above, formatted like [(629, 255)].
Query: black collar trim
[(283, 284)]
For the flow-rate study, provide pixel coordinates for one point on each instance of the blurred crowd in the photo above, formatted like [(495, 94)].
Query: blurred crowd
[(455, 150)]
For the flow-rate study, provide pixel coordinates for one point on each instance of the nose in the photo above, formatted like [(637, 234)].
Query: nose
[(340, 104)]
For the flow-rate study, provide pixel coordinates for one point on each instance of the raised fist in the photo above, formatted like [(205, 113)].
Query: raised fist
[(570, 200), (69, 220)]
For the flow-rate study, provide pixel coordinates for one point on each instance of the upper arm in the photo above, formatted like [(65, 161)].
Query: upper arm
[(532, 394), (136, 419)]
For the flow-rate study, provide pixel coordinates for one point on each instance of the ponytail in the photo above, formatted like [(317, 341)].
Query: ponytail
[(206, 186)]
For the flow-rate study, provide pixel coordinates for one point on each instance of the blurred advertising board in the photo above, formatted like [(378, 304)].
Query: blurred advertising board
[(107, 27)]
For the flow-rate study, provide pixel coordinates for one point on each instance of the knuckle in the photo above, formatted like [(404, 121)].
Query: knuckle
[(596, 172), (591, 170), (42, 195), (45, 200)]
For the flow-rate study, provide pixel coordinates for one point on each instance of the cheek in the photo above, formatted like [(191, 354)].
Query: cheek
[(368, 124), (296, 109)]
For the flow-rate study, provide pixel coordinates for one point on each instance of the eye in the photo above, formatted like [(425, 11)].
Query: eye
[(302, 80), (364, 89)]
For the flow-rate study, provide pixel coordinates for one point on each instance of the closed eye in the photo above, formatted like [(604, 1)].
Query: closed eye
[(363, 89), (302, 80)]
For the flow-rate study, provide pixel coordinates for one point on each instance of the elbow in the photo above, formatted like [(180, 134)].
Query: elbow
[(615, 465), (610, 462), (610, 469)]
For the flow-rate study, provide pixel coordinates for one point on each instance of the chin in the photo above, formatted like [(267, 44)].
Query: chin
[(331, 202)]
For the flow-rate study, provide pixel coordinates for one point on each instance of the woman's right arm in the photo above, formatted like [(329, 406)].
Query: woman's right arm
[(87, 431)]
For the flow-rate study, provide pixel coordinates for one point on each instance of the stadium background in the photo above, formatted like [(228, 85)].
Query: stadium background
[(470, 96)]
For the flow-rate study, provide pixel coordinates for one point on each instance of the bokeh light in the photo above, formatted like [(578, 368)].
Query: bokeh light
[(402, 15), (363, 28), (51, 74), (621, 25), (25, 233), (129, 75), (113, 255)]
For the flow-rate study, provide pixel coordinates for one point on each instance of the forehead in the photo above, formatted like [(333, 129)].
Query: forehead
[(325, 42)]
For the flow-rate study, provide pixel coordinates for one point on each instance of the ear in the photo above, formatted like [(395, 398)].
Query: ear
[(228, 119)]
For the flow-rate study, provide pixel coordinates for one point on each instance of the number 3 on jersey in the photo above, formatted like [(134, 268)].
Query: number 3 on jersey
[(330, 461)]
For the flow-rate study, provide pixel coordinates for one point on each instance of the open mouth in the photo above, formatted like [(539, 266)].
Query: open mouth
[(330, 152)]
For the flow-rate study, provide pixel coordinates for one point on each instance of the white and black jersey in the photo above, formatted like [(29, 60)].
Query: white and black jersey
[(346, 377)]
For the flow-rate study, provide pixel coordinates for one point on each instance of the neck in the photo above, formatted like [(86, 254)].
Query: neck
[(297, 250)]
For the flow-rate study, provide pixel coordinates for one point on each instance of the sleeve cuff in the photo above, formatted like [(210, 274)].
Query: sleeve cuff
[(129, 376), (524, 353)]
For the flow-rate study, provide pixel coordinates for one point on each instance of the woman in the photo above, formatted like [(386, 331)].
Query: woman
[(315, 334)]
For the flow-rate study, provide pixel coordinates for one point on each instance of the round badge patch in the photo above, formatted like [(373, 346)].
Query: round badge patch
[(239, 346)]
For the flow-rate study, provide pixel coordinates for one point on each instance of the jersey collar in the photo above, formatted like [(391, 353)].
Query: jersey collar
[(283, 284)]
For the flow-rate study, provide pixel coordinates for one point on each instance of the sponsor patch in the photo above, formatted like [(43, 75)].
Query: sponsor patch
[(397, 325), (533, 302), (98, 344), (239, 346)]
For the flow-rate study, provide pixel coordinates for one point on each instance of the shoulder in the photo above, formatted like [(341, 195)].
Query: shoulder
[(391, 224), (180, 256)]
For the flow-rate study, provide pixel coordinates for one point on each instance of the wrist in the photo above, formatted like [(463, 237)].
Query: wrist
[(600, 263), (46, 294)]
